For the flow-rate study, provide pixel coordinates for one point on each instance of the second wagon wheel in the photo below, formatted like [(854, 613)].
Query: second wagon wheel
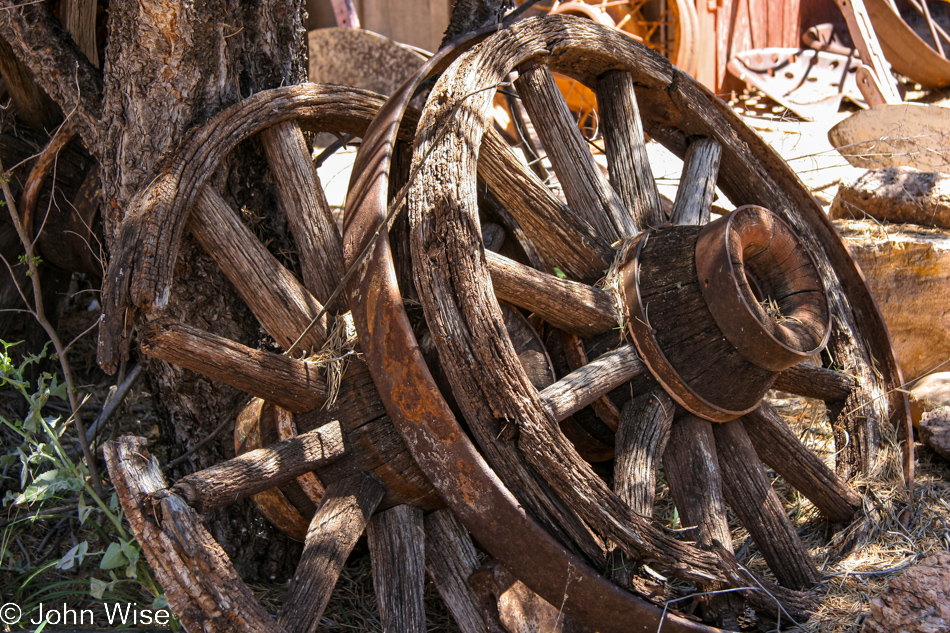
[(370, 480), (516, 426)]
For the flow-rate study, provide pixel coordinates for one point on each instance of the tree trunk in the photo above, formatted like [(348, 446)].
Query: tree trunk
[(170, 65)]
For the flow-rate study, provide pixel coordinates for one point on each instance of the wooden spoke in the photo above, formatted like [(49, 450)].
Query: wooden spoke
[(451, 560), (587, 191), (294, 384), (286, 424), (280, 302), (576, 355), (272, 503), (778, 447), (599, 377), (568, 241), (692, 471), (697, 188), (397, 550), (627, 160), (195, 572), (587, 446), (575, 307), (815, 382), (318, 241), (854, 438), (642, 434), (260, 469), (334, 530), (749, 494), (645, 424)]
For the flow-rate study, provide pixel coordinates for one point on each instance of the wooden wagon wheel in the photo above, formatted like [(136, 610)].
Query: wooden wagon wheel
[(513, 423), (916, 40), (366, 477)]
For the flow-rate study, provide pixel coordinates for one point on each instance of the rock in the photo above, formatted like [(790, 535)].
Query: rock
[(918, 601), (935, 431), (339, 56), (896, 194), (907, 268), (929, 394)]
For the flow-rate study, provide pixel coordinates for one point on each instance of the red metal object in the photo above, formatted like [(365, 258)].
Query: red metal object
[(425, 421)]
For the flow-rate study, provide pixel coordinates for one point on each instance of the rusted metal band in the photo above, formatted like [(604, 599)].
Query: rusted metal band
[(722, 254), (644, 338)]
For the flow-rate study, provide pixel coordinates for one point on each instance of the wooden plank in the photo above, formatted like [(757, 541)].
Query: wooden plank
[(260, 469), (201, 584), (587, 191), (293, 384), (781, 449), (280, 302), (451, 560), (318, 241), (397, 550), (627, 160), (340, 520), (750, 495), (568, 305)]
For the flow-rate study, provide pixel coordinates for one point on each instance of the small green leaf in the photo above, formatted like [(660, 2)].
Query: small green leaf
[(113, 558), (83, 509), (97, 588), (560, 273), (131, 551), (74, 557)]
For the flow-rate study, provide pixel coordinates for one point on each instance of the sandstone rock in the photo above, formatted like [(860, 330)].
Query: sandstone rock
[(907, 268), (929, 394), (935, 431), (896, 194), (918, 601)]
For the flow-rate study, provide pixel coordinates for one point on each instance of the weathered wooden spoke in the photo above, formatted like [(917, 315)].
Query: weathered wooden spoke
[(697, 188), (718, 312), (627, 160), (586, 189)]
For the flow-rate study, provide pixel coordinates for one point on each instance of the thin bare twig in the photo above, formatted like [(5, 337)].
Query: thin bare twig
[(39, 313)]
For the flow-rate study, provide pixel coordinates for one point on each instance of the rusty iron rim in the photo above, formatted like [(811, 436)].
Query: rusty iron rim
[(423, 418), (726, 288)]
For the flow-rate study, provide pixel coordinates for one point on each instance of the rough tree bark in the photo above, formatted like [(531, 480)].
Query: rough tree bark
[(170, 65)]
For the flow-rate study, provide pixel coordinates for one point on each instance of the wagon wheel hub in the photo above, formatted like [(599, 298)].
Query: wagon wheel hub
[(753, 302)]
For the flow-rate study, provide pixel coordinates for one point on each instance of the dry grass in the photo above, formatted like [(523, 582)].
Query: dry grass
[(890, 536)]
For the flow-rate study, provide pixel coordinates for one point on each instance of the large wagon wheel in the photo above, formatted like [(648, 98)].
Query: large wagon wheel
[(915, 40), (515, 425), (367, 480)]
